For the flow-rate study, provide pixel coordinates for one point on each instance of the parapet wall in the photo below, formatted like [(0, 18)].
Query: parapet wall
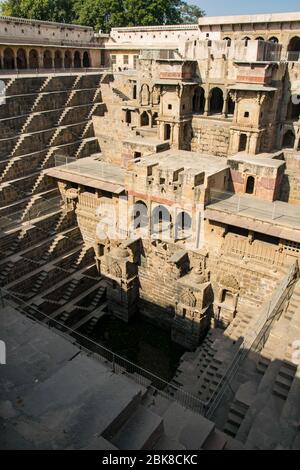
[(43, 31)]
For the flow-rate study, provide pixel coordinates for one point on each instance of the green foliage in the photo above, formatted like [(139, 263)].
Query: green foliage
[(47, 10), (105, 14), (190, 13)]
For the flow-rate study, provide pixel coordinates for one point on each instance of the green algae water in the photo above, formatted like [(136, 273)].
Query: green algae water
[(141, 343)]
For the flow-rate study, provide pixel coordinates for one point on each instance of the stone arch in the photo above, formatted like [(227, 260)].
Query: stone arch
[(274, 39), (161, 220), (86, 61), (167, 131), (246, 39), (140, 215), (288, 140), (21, 59), (68, 60), (77, 60), (259, 38), (47, 60), (199, 100), (188, 299), (216, 101), (33, 59), (294, 44), (183, 225), (58, 61), (243, 142), (228, 40), (229, 282), (144, 119), (9, 59), (250, 185)]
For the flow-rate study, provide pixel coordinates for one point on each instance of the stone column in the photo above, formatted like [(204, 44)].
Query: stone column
[(72, 59), (225, 107), (52, 53), (27, 57), (248, 142), (41, 58), (253, 143), (149, 212), (206, 106), (15, 57)]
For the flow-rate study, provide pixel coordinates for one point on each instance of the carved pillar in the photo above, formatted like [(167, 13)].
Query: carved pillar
[(225, 106), (206, 106), (27, 57), (248, 142), (41, 58)]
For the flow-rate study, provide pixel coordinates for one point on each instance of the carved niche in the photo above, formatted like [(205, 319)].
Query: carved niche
[(188, 299), (145, 95), (155, 96), (115, 270)]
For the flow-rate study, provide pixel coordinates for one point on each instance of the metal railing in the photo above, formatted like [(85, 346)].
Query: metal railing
[(116, 363), (255, 339), (244, 204)]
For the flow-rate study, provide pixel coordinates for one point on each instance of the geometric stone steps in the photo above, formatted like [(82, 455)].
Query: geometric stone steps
[(284, 380), (100, 311), (4, 272), (39, 282), (10, 164), (141, 431), (86, 252), (97, 297), (91, 318), (70, 289), (236, 415), (84, 144), (45, 84), (18, 144), (262, 364)]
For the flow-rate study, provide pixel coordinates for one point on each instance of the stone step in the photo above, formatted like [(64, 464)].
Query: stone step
[(262, 365), (280, 392), (231, 429), (283, 382), (142, 430), (239, 409), (288, 371), (234, 419)]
